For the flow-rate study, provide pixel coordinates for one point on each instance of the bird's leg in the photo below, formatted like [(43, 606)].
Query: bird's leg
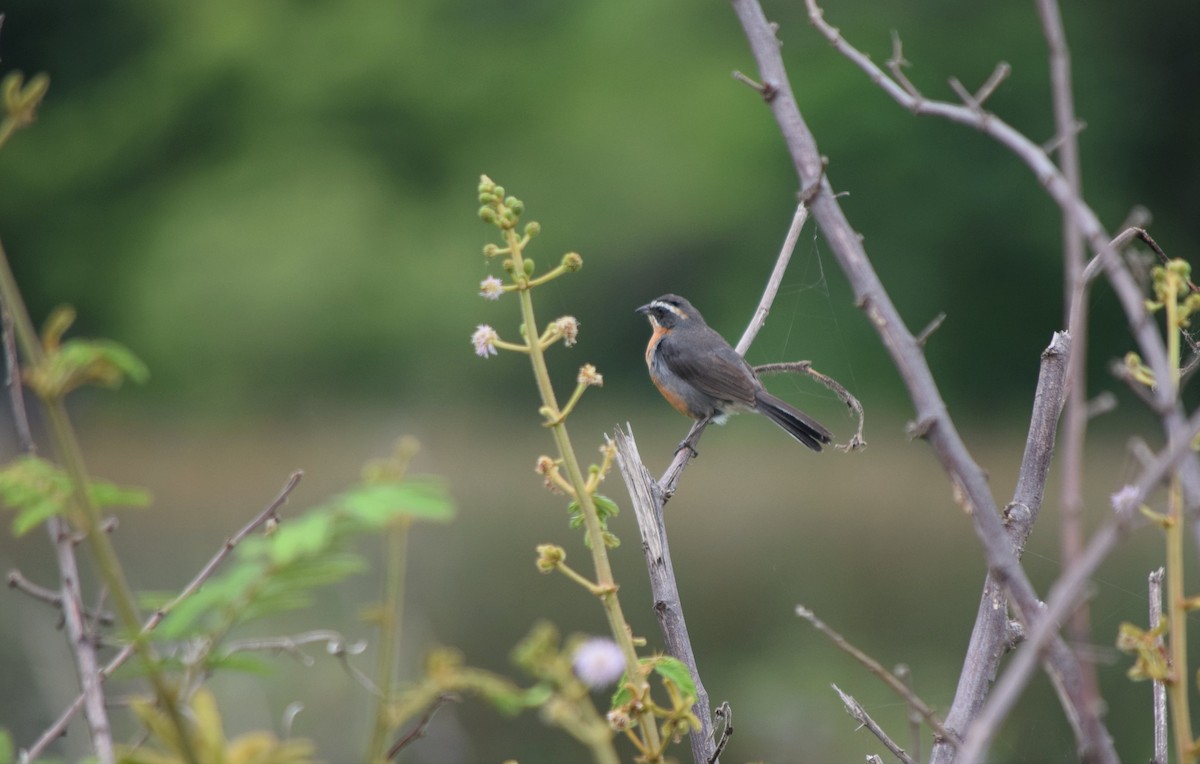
[(691, 437)]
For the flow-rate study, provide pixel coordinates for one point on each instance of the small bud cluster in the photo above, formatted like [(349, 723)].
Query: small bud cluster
[(550, 556), (499, 210)]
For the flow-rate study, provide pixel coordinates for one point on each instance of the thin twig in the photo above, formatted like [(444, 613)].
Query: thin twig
[(999, 74), (930, 328), (875, 667), (856, 442), (904, 674), (69, 599), (1160, 689), (724, 712), (860, 715), (418, 731), (18, 581), (1076, 415)]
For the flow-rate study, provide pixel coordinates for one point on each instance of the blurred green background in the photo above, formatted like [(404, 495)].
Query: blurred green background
[(273, 204)]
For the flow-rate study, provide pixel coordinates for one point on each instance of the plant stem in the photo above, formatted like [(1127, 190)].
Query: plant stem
[(85, 516), (604, 577), (1177, 610), (390, 613)]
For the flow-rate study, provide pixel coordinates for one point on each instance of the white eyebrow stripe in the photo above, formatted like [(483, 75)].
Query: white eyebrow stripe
[(668, 306)]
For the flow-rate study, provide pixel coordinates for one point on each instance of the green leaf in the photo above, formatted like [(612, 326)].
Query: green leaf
[(674, 670), (304, 536), (109, 495), (623, 694), (378, 504), (605, 506), (513, 700), (38, 489)]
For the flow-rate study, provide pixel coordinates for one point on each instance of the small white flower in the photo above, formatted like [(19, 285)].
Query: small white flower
[(568, 327), (589, 376), (484, 340), (1125, 500), (599, 662), (491, 288)]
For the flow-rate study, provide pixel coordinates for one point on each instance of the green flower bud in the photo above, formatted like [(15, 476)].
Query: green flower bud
[(509, 265), (528, 266), (549, 557), (515, 204), (572, 261), (487, 214), (490, 250), (532, 229), (485, 198), (498, 191), (486, 184)]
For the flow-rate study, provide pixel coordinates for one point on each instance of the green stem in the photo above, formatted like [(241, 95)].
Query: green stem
[(1176, 599), (390, 614), (604, 577), (86, 517)]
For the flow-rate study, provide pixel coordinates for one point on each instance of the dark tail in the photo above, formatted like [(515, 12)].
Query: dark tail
[(796, 423)]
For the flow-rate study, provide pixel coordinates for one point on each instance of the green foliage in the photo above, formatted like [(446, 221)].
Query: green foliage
[(6, 747), (377, 505), (75, 362), (282, 570), (605, 508), (39, 489), (671, 670)]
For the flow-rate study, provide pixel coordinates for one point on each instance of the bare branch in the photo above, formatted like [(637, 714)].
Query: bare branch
[(856, 442), (725, 713), (1160, 689), (924, 335), (1092, 738), (904, 674), (1064, 598), (999, 74), (855, 709), (896, 66), (887, 677), (647, 500), (17, 580), (70, 597), (418, 731)]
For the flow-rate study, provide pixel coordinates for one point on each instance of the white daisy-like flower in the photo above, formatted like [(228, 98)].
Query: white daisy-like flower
[(598, 662), (484, 340)]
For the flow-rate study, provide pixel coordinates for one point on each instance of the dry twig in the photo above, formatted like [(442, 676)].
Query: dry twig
[(855, 709)]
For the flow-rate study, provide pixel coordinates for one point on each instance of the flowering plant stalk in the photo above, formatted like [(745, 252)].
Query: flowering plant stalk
[(633, 711), (1174, 296)]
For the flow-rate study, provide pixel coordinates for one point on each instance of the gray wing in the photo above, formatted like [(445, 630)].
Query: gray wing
[(720, 373)]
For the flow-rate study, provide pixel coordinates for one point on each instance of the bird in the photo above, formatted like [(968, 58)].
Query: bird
[(702, 376)]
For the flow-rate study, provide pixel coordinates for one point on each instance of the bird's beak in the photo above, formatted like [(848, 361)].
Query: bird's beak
[(644, 309)]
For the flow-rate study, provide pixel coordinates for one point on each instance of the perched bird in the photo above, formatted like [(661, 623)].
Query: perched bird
[(699, 374)]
